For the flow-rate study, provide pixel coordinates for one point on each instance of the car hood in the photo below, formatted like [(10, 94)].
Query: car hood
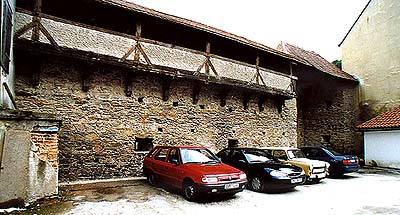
[(212, 169), (310, 162)]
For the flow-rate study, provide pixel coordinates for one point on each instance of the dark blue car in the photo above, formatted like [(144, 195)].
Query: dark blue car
[(339, 164)]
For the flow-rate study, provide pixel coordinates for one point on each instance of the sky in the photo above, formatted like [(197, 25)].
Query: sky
[(315, 25)]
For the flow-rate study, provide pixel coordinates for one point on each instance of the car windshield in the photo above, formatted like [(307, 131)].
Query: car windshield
[(257, 156), (198, 155), (296, 154)]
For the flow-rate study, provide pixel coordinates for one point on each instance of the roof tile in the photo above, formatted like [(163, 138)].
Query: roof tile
[(388, 120), (315, 60)]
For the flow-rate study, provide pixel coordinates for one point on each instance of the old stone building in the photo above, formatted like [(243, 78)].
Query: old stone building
[(327, 100), (371, 51), (145, 78)]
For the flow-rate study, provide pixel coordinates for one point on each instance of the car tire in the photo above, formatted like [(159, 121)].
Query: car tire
[(189, 190), (257, 184), (151, 179)]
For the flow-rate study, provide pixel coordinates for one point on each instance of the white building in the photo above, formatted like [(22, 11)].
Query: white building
[(382, 139)]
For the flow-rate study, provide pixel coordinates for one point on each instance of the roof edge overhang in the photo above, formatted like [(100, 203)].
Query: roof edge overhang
[(35, 47), (378, 129), (199, 26)]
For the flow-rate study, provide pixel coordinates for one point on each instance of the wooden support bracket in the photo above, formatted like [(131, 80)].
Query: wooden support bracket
[(261, 101), (196, 88), (166, 85), (129, 76)]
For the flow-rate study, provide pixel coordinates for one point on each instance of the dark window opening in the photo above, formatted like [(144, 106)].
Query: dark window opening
[(230, 109), (143, 144), (233, 143), (263, 132), (160, 129), (140, 99), (175, 104), (192, 130), (6, 36), (202, 106)]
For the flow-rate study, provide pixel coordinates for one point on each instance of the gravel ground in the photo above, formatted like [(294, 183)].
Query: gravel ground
[(371, 191)]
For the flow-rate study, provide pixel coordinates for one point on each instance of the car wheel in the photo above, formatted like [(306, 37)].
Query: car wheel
[(257, 184), (151, 179), (189, 191)]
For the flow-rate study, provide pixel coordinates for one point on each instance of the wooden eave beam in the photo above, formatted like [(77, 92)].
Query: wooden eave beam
[(26, 45)]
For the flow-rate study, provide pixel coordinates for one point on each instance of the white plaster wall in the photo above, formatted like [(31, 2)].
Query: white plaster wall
[(372, 52), (383, 147)]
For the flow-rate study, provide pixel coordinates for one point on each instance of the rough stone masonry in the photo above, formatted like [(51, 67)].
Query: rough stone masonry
[(101, 127)]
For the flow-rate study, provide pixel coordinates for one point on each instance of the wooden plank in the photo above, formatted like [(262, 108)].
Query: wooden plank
[(48, 36), (25, 29)]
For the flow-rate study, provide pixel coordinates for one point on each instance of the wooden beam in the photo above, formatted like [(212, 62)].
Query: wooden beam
[(166, 85), (36, 70), (129, 76), (258, 69), (86, 72), (246, 101), (261, 101), (138, 33), (36, 19), (206, 65), (222, 97), (196, 88)]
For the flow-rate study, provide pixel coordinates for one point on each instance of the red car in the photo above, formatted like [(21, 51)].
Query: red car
[(194, 170)]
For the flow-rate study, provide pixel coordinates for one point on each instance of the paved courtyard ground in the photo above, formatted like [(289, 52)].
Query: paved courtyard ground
[(371, 191)]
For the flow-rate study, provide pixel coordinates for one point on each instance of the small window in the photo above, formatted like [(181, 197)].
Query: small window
[(152, 152), (6, 36), (143, 144), (161, 155)]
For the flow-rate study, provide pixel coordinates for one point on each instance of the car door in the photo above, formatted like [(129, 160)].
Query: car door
[(160, 162), (238, 160), (173, 168)]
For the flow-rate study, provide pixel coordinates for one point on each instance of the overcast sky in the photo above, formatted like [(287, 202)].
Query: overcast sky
[(315, 25)]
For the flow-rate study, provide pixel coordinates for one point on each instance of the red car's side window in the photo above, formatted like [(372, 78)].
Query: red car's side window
[(161, 155)]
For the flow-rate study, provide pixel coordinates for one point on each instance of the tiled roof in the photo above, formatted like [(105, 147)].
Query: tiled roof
[(315, 60), (388, 120), (193, 24)]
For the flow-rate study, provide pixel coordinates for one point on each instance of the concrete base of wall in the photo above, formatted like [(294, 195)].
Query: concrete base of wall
[(25, 174)]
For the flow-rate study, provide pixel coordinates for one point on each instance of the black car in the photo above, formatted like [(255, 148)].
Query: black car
[(339, 164), (264, 172)]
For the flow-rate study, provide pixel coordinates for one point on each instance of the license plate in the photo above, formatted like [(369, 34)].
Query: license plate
[(296, 180), (231, 186)]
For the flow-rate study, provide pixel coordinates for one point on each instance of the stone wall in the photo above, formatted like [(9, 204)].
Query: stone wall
[(100, 126), (328, 117)]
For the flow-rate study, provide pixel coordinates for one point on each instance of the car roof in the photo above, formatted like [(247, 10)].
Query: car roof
[(280, 148), (181, 147)]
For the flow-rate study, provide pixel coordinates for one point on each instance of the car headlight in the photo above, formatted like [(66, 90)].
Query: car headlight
[(242, 176), (207, 179), (278, 174)]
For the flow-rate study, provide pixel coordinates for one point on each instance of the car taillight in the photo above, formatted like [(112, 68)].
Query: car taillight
[(345, 162)]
